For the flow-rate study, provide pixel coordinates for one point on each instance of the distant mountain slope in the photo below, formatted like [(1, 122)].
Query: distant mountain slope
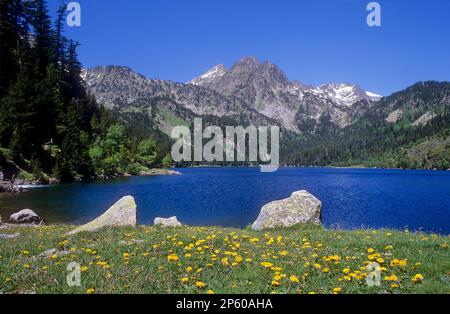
[(407, 129)]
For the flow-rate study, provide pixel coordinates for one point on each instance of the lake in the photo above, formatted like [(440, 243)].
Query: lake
[(233, 197)]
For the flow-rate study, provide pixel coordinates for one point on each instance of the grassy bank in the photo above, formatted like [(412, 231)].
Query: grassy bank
[(220, 260)]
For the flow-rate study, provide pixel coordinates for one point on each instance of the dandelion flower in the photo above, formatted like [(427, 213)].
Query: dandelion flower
[(173, 258), (294, 278), (417, 278), (266, 264), (275, 283), (200, 284)]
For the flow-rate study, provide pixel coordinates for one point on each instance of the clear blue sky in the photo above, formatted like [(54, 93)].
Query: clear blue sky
[(315, 41)]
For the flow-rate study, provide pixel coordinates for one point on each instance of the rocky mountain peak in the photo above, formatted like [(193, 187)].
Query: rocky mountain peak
[(246, 63), (343, 94)]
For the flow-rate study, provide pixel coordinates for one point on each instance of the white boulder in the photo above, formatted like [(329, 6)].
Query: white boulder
[(171, 222), (122, 213), (301, 208), (25, 216)]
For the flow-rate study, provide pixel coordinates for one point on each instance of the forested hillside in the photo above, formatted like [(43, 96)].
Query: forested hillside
[(409, 129), (50, 128)]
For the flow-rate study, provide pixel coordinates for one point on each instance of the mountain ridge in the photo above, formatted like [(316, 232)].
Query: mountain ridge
[(220, 70), (249, 85), (346, 128)]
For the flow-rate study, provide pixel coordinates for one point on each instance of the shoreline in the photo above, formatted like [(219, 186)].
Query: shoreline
[(13, 226), (9, 186)]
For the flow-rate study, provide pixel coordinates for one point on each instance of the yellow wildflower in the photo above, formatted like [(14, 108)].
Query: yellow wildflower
[(172, 258), (200, 284), (391, 278), (275, 283), (294, 278), (417, 278), (380, 260), (266, 264)]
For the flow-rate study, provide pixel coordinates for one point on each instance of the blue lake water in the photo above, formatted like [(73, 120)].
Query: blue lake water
[(352, 198)]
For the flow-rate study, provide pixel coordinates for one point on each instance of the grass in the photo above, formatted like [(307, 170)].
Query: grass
[(205, 260)]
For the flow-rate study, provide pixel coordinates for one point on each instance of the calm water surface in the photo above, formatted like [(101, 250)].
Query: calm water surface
[(352, 198)]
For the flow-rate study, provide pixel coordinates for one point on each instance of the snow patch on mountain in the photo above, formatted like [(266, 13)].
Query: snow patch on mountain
[(210, 75), (373, 96)]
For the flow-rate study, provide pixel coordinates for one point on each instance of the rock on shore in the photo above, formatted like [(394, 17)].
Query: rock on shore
[(123, 213), (171, 222), (160, 172), (25, 216), (301, 208), (9, 187)]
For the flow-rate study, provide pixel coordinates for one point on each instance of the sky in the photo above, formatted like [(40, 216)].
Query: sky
[(312, 41)]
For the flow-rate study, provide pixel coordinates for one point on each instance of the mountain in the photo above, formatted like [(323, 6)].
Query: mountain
[(250, 91), (209, 76), (264, 87), (332, 124), (167, 103), (408, 129), (345, 94)]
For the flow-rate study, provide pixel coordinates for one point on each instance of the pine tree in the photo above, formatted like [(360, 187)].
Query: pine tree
[(42, 37), (13, 29)]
